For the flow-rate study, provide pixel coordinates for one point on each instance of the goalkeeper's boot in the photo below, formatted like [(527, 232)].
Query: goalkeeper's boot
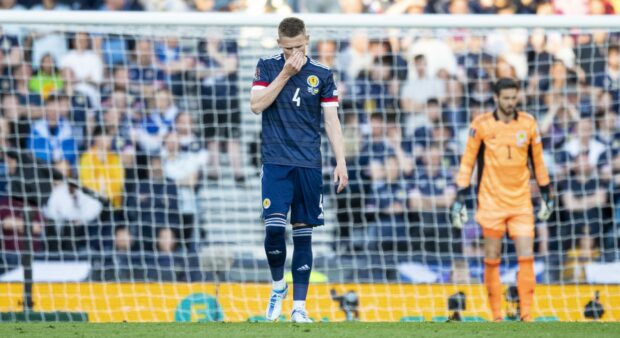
[(300, 316), (274, 309)]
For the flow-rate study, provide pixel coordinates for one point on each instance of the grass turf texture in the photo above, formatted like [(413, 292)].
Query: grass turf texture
[(323, 330)]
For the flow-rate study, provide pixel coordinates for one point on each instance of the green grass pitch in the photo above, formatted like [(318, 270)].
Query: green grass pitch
[(322, 330)]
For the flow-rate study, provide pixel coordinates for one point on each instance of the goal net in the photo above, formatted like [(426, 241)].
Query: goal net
[(131, 161)]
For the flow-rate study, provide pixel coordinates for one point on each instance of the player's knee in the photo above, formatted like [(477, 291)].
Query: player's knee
[(492, 253), (274, 233)]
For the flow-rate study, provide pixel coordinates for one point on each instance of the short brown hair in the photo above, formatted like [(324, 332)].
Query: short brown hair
[(291, 27)]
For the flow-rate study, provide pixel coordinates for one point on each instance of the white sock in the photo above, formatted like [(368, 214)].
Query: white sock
[(299, 305), (278, 285)]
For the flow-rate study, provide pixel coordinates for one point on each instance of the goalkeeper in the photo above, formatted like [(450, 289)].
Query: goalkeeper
[(502, 143)]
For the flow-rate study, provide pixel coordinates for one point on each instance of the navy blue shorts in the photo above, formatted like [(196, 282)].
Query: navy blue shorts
[(296, 188)]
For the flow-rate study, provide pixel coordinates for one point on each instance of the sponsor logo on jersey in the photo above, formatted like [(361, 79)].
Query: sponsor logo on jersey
[(257, 74), (521, 138), (266, 203)]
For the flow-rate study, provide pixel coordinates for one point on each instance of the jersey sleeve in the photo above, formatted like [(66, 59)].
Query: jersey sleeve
[(261, 76), (538, 163), (468, 160), (329, 92)]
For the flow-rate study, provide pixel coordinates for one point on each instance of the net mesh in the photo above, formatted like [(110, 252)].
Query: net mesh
[(154, 202)]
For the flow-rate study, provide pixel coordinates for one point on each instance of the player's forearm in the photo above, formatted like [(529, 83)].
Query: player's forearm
[(334, 134), (261, 99)]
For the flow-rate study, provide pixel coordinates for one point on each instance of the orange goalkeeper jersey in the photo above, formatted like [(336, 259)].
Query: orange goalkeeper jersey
[(502, 151)]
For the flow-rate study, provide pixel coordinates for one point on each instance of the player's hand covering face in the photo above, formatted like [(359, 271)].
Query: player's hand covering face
[(294, 50)]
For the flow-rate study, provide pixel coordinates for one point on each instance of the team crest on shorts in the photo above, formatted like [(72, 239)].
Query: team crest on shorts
[(266, 203), (313, 83), (521, 138)]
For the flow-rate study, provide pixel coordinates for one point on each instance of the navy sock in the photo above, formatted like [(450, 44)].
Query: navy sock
[(302, 262), (275, 246)]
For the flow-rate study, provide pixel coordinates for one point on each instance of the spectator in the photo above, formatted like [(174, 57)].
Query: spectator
[(584, 195), (117, 92), (164, 5), (183, 164), (47, 78), (420, 87), (590, 54), (18, 121), (170, 263), (11, 53), (12, 222), (13, 30), (585, 141), (221, 114), (14, 232), (600, 7), (153, 206), (570, 7), (21, 78), (430, 195), (389, 201), (51, 138), (407, 7), (47, 40), (375, 148), (419, 127), (471, 60), (70, 211), (155, 125), (145, 76), (557, 126), (85, 66), (355, 57), (101, 170), (121, 263), (609, 79), (120, 130), (113, 47), (315, 6), (438, 56), (375, 89), (171, 58), (394, 138)]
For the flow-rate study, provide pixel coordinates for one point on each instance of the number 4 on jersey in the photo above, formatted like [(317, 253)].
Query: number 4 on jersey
[(296, 97)]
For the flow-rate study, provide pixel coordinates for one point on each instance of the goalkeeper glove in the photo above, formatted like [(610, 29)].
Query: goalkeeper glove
[(546, 204), (458, 210)]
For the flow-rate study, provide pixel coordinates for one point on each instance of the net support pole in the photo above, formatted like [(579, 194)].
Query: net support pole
[(26, 258)]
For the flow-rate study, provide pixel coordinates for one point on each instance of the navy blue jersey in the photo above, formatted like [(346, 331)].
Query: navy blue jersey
[(292, 124)]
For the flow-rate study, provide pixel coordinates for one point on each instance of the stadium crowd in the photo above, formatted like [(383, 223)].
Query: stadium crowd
[(143, 121)]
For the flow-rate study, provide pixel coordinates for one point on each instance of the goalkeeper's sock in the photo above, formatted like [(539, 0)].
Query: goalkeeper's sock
[(302, 263), (526, 281), (494, 286), (275, 248)]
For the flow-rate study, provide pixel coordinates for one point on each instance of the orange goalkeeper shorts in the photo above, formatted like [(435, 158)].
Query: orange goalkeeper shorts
[(495, 223)]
